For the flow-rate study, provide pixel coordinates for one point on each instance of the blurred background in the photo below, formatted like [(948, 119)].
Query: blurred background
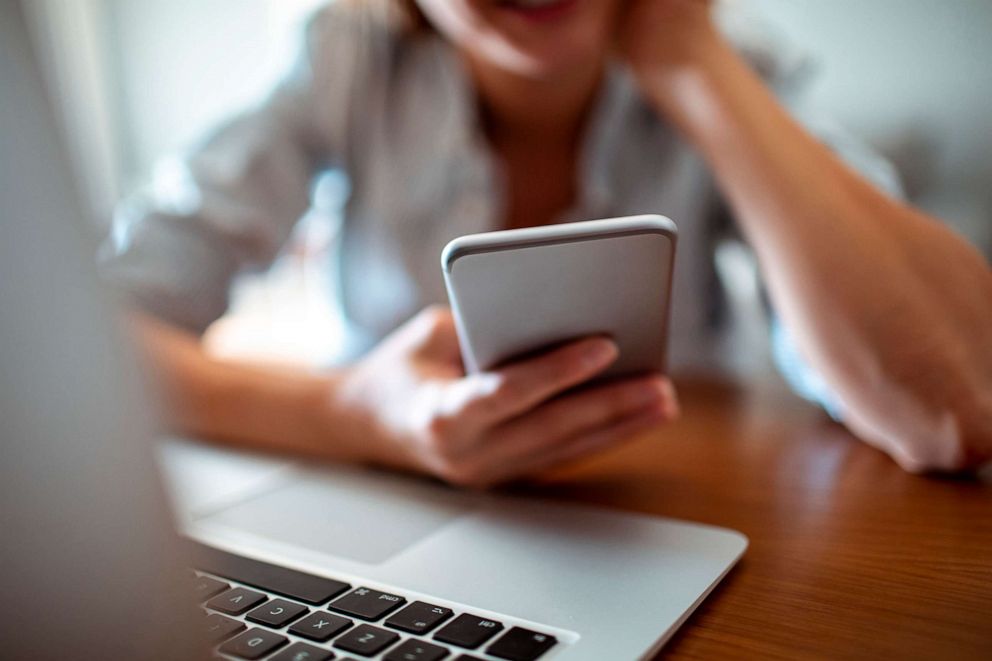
[(140, 80)]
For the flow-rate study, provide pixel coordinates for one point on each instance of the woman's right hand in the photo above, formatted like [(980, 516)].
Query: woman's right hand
[(412, 406)]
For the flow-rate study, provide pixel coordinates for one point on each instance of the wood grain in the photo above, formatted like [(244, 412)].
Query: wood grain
[(850, 557)]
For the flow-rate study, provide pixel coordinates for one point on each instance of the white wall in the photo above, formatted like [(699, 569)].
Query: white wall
[(909, 71), (181, 65), (70, 36)]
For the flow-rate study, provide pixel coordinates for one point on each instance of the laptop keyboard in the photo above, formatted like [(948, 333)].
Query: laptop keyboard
[(254, 610)]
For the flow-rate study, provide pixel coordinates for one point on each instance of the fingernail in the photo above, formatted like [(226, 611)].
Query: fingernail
[(601, 352), (653, 392)]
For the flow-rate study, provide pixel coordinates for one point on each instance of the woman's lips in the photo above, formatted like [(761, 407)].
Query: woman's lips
[(538, 10)]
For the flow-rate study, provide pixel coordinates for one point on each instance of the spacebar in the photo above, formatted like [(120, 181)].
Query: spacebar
[(287, 582)]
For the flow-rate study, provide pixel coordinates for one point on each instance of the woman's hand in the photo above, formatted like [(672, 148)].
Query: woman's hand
[(657, 37), (416, 409)]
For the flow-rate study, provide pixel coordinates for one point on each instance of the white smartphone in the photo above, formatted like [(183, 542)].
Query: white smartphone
[(514, 292)]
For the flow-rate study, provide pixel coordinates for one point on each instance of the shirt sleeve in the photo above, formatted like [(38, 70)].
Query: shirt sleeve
[(802, 378), (232, 202)]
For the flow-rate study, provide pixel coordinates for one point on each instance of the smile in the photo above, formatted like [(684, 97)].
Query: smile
[(538, 10)]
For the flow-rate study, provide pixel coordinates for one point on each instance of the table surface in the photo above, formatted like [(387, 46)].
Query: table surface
[(849, 557)]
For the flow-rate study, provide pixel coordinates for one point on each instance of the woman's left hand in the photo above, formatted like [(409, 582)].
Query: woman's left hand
[(657, 37)]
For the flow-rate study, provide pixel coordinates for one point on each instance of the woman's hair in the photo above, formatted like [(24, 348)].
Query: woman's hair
[(405, 15)]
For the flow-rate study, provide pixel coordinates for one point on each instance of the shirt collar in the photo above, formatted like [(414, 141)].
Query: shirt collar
[(471, 159), (602, 139)]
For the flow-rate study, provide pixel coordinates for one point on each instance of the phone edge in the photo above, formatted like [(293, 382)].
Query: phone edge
[(528, 237)]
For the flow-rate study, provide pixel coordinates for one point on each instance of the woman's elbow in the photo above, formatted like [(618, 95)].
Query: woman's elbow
[(936, 429)]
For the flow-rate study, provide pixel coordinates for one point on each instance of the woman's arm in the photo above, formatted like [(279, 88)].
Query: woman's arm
[(409, 405), (891, 307), (261, 406)]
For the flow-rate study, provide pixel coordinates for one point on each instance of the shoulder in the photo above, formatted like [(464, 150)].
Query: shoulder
[(349, 61), (369, 27), (357, 49)]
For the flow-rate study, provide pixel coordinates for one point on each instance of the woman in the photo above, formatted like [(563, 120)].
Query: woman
[(451, 116)]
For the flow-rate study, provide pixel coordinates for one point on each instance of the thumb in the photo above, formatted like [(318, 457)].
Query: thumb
[(434, 334)]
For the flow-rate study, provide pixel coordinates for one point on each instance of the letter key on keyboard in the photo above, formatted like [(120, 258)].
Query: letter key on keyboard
[(253, 644), (320, 626), (236, 601), (366, 640), (277, 613)]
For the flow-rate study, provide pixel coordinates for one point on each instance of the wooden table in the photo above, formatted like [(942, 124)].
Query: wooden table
[(850, 557)]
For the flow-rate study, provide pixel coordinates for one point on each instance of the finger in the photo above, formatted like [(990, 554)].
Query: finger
[(559, 422), (433, 335), (603, 438), (433, 323), (907, 459), (518, 388), (562, 419)]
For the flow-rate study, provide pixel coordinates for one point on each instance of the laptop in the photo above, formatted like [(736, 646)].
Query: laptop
[(274, 559)]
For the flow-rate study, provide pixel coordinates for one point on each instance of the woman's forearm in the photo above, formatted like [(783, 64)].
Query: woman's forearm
[(892, 308), (259, 406)]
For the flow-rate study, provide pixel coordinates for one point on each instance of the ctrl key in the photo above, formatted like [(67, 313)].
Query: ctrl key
[(253, 644)]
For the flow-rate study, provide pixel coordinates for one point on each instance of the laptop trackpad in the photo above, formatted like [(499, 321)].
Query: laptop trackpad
[(350, 513)]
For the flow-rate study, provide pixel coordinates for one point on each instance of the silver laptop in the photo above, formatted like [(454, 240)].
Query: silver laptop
[(291, 562)]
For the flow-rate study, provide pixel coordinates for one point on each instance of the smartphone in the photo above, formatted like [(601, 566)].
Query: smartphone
[(516, 292)]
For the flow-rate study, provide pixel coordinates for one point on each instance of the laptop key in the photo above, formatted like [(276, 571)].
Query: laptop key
[(468, 631), (320, 626), (519, 644), (367, 604), (366, 640), (467, 657), (302, 652), (205, 587), (236, 601), (416, 650), (309, 589), (277, 613), (218, 627), (419, 617), (253, 644)]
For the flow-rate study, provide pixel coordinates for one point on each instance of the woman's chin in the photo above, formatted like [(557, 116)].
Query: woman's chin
[(549, 38)]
